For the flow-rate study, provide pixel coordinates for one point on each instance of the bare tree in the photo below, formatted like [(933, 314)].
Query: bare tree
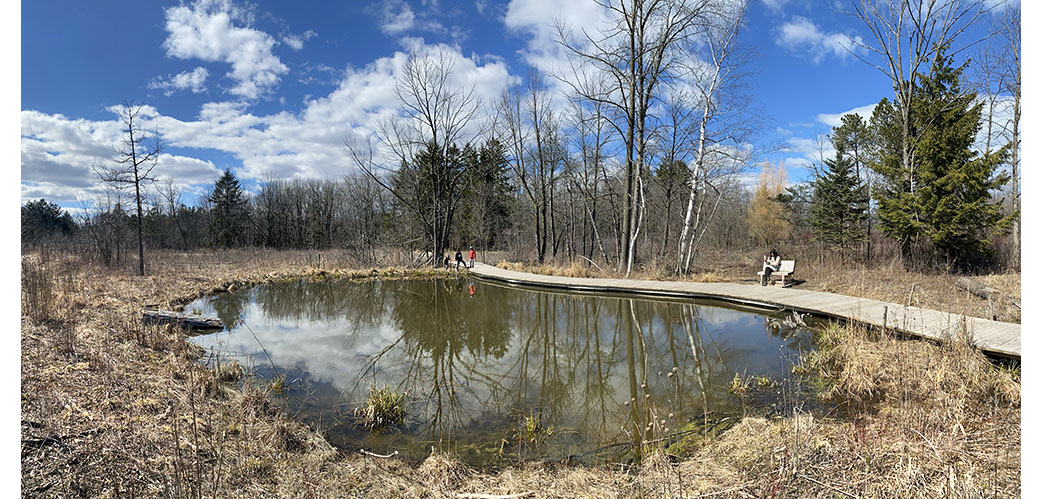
[(436, 115), (1005, 65), (997, 79), (588, 175), (674, 145), (136, 157), (537, 153), (906, 37), (106, 225), (171, 194), (716, 77), (639, 53)]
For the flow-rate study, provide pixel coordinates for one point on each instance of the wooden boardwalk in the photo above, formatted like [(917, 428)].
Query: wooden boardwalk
[(999, 338)]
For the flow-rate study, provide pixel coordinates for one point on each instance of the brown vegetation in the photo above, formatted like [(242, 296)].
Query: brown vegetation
[(113, 407)]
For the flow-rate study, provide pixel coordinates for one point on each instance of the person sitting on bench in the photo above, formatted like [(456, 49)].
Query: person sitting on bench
[(772, 262)]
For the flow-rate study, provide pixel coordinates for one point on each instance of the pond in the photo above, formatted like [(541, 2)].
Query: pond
[(496, 373)]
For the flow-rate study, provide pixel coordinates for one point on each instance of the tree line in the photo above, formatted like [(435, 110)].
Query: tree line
[(634, 156)]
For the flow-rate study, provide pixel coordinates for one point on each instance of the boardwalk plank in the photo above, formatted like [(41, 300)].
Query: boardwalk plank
[(991, 336)]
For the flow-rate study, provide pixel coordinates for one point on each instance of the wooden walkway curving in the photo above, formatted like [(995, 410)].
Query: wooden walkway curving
[(1000, 338)]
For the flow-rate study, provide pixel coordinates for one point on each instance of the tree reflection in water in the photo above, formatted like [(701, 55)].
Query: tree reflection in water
[(608, 377)]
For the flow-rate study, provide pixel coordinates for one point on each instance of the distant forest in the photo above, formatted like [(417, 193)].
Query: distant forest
[(627, 173)]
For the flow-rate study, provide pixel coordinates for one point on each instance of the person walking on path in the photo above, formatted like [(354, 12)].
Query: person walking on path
[(772, 262), (460, 260), (471, 254)]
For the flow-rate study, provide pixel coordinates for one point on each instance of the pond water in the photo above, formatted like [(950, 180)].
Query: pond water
[(496, 373)]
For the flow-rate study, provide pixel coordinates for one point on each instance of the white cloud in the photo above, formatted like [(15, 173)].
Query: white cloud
[(393, 23), (182, 168), (296, 42), (194, 80), (57, 151), (833, 119), (537, 18), (802, 35), (396, 17), (207, 30), (794, 164), (775, 5), (811, 150), (999, 6)]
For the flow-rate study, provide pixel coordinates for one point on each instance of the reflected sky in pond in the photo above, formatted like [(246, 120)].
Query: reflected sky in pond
[(476, 359)]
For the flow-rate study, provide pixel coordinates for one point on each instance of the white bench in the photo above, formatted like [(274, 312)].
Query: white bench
[(785, 269)]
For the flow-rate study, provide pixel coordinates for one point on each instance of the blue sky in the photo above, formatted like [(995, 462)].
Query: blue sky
[(272, 89)]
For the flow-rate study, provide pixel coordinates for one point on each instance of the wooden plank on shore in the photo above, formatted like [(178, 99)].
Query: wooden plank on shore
[(187, 320)]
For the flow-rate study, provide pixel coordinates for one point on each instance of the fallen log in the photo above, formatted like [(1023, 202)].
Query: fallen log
[(984, 291), (186, 320)]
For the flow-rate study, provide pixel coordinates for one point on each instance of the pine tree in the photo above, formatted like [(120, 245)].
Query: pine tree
[(228, 215), (838, 207), (429, 189), (856, 138), (945, 199), (797, 199), (486, 204), (41, 220)]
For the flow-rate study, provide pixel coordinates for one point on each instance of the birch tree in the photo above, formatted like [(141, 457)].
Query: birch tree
[(713, 75)]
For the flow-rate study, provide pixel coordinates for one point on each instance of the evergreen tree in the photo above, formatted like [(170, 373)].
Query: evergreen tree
[(228, 213), (42, 220), (486, 205), (838, 207), (673, 179), (429, 189), (856, 138), (797, 199), (945, 199)]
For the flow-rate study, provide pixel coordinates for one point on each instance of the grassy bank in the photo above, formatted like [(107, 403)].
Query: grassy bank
[(113, 407)]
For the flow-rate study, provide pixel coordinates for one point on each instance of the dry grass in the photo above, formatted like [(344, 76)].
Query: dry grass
[(384, 407), (111, 407), (936, 420)]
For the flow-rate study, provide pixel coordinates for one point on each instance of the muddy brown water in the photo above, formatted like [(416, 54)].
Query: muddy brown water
[(496, 374)]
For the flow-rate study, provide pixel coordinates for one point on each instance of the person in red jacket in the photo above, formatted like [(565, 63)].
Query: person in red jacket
[(471, 254)]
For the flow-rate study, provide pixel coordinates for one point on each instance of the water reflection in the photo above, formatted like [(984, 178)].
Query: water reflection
[(603, 375)]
